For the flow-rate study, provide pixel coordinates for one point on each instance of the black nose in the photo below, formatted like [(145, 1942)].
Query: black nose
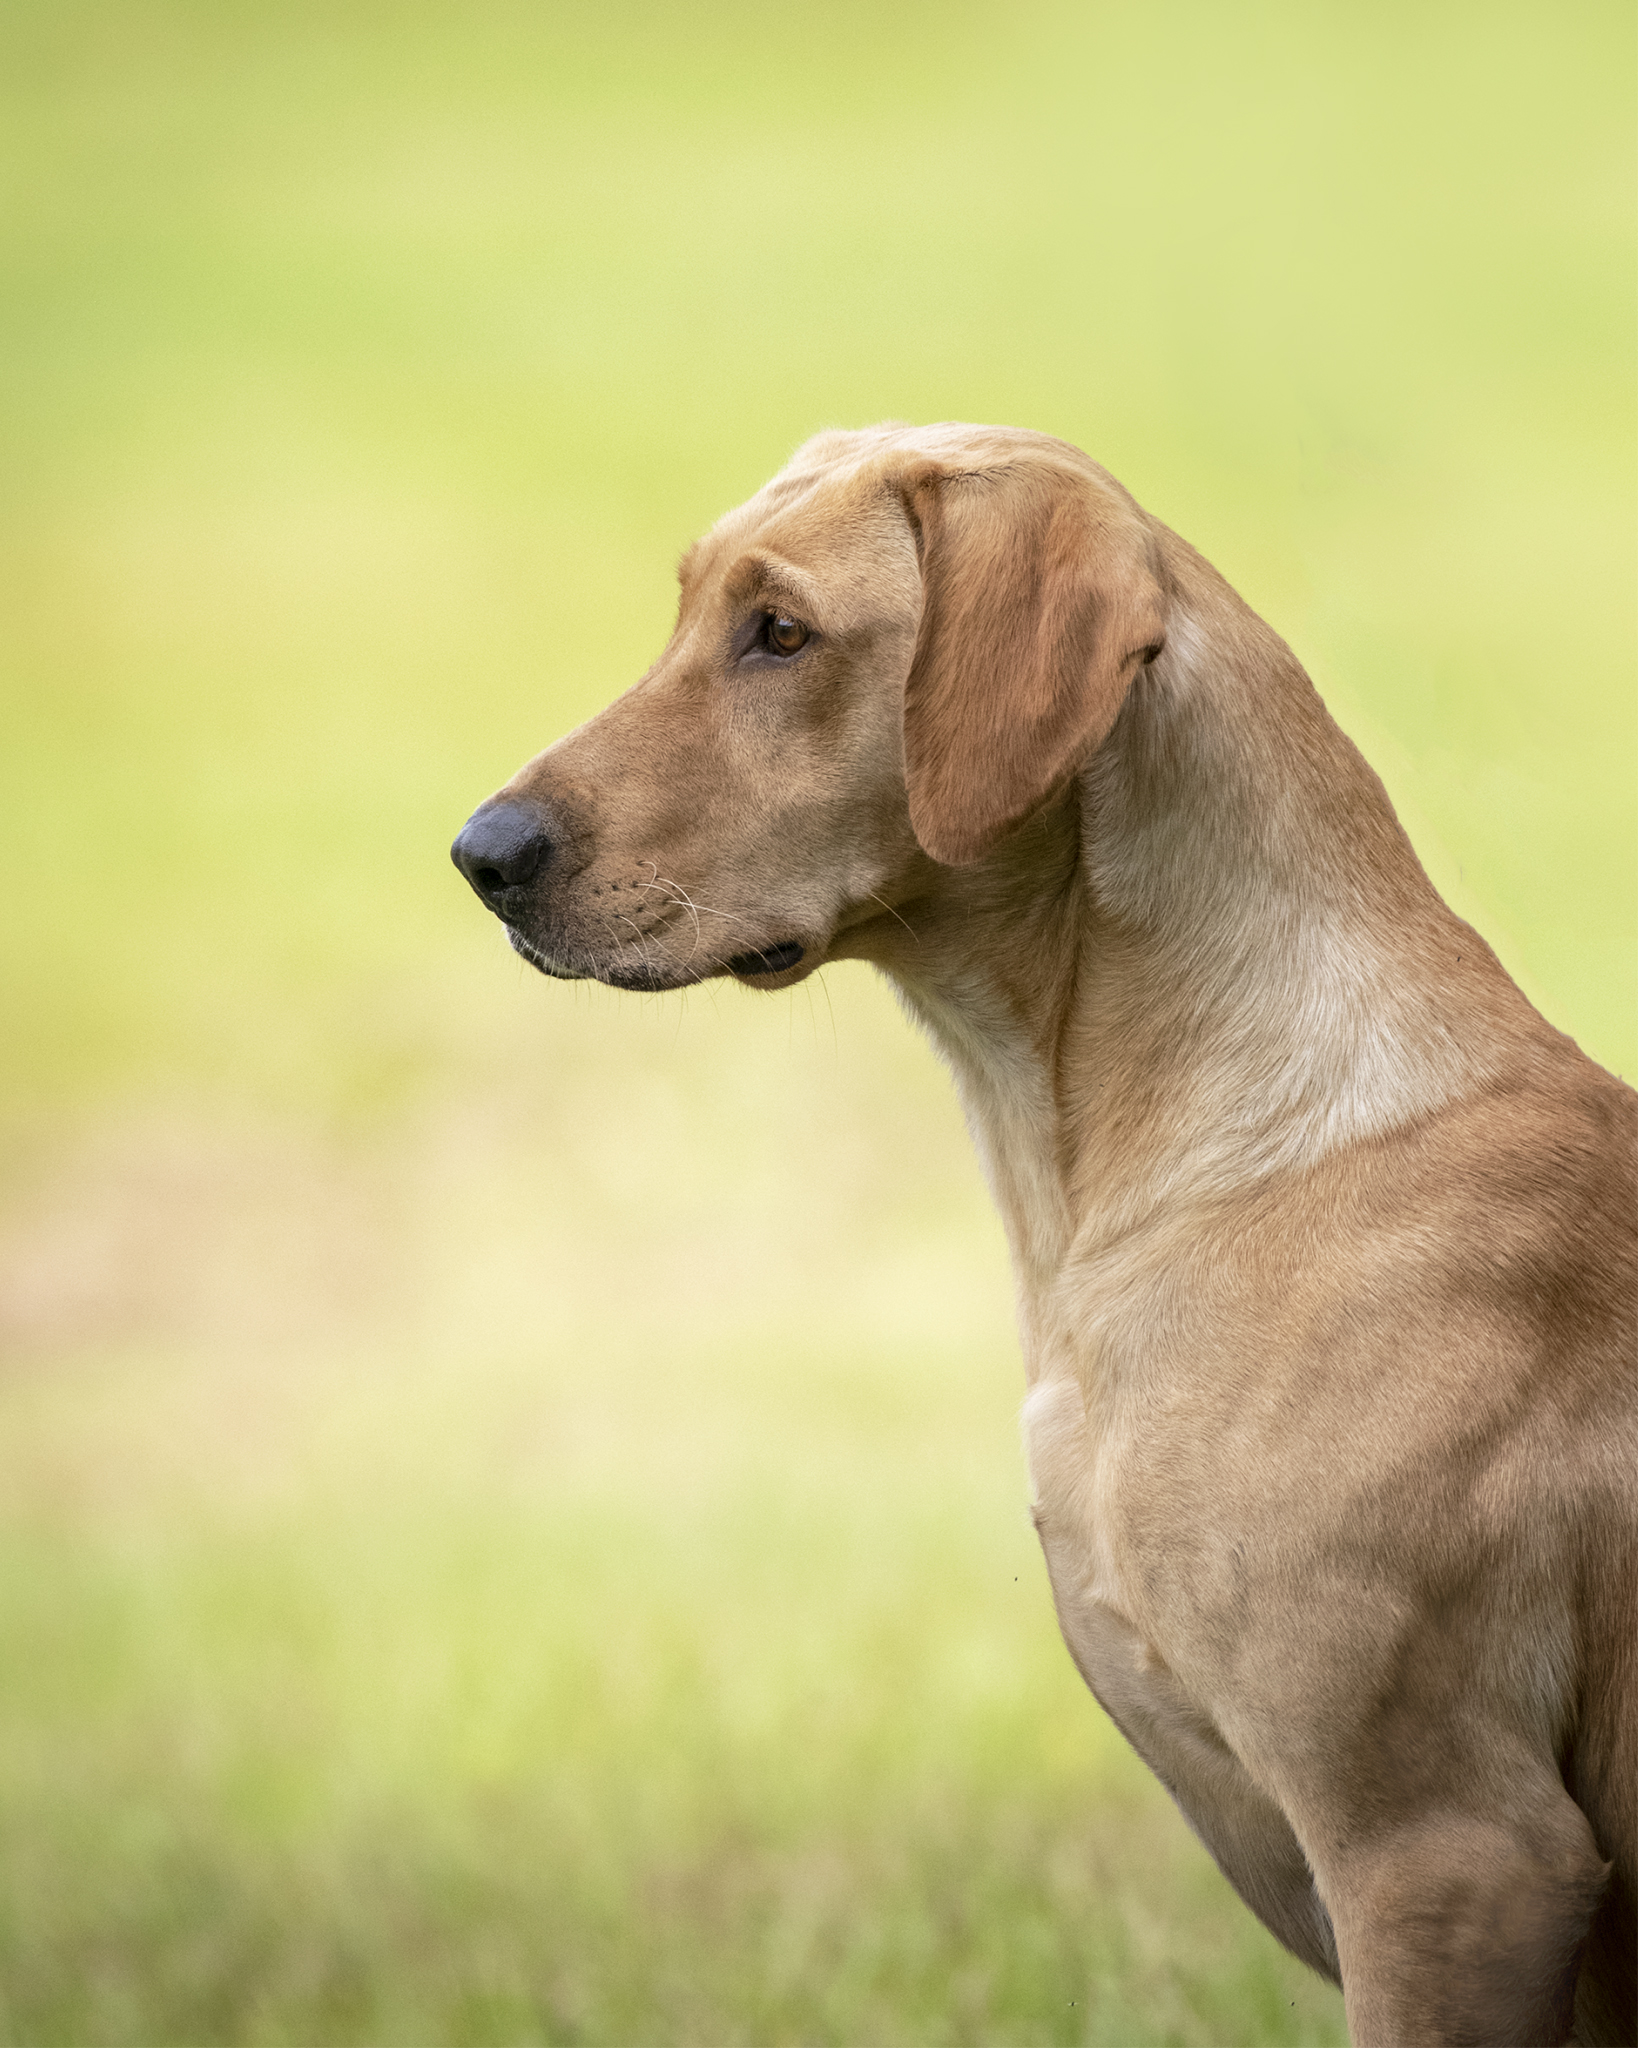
[(501, 846)]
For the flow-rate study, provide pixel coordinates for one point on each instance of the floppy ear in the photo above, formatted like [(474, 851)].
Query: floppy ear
[(1038, 606)]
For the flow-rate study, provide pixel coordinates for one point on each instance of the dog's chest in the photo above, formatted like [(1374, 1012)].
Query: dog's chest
[(1122, 1536), (1075, 1468), (1115, 1619)]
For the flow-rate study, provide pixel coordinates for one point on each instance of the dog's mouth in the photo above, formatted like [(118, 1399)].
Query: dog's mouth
[(766, 960), (757, 965)]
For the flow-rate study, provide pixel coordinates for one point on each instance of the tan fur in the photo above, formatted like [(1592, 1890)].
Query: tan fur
[(1324, 1239)]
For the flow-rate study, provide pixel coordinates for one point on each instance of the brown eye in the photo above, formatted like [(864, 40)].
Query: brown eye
[(786, 636)]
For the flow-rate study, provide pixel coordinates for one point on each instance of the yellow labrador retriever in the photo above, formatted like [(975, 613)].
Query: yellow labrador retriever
[(1325, 1240)]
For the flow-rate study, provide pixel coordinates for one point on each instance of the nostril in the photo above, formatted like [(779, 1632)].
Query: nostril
[(500, 847)]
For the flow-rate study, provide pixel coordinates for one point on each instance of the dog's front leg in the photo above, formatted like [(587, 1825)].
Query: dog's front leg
[(1464, 1931), (1249, 1839)]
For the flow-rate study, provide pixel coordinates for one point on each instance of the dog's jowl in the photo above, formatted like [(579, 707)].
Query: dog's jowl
[(1325, 1240)]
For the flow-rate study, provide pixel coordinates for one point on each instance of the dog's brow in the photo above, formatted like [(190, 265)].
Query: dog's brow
[(763, 577)]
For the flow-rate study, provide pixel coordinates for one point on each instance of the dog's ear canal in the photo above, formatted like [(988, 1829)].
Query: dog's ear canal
[(1039, 604)]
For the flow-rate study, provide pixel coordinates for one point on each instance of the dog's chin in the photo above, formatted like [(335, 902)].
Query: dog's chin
[(780, 964), (639, 978), (542, 961)]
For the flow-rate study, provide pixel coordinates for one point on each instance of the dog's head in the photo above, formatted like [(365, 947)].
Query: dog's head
[(883, 662)]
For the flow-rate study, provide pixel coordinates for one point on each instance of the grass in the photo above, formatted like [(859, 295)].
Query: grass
[(511, 1526), (489, 1593)]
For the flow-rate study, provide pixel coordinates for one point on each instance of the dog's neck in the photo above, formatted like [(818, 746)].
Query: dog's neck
[(1214, 957)]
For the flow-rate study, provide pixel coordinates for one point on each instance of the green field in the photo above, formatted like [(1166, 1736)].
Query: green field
[(511, 1522)]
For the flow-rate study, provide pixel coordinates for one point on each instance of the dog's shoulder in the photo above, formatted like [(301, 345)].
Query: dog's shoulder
[(1503, 1232)]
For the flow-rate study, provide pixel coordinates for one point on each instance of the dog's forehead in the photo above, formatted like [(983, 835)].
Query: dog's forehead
[(835, 512), (840, 522), (846, 470)]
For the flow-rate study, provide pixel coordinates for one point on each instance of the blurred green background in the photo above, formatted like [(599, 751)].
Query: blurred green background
[(511, 1526)]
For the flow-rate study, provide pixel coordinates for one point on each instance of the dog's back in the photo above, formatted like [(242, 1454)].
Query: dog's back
[(1601, 1771)]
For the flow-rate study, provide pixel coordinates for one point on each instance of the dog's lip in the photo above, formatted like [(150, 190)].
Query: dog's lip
[(775, 959), (538, 957), (758, 964), (636, 978)]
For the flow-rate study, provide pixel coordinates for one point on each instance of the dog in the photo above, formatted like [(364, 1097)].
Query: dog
[(1326, 1243)]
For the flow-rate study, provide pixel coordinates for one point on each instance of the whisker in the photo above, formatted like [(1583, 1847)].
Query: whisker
[(893, 913), (642, 938), (675, 893), (682, 895)]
